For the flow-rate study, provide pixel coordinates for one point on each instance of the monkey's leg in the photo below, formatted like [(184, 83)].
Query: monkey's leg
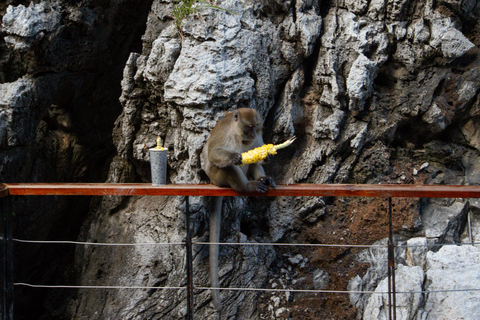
[(256, 172), (235, 178), (238, 181), (215, 223)]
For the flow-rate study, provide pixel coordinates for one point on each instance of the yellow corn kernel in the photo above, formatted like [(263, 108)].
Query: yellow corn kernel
[(262, 152)]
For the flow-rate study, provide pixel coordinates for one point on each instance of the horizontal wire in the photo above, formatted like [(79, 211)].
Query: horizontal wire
[(286, 290), (99, 243), (91, 287), (291, 244), (199, 243), (244, 244), (237, 289), (437, 245), (333, 291)]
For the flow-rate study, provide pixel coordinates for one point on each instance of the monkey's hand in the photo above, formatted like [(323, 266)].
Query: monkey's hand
[(256, 186), (236, 159), (268, 181), (268, 158)]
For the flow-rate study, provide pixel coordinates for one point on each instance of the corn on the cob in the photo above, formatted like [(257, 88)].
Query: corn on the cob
[(159, 146), (262, 152)]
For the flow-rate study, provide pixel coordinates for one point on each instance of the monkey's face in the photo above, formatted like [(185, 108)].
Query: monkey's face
[(249, 125), (248, 135)]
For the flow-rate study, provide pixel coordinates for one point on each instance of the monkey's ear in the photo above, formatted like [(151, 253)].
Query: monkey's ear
[(235, 115)]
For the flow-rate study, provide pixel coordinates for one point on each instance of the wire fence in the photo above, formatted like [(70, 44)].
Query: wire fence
[(364, 246), (239, 289), (273, 244), (8, 240)]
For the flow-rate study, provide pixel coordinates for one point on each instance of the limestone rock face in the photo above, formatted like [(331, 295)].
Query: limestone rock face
[(177, 89), (443, 268), (407, 304), (61, 65), (449, 265), (371, 92), (18, 94), (24, 24)]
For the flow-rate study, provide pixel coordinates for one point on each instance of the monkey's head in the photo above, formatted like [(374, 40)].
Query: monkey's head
[(249, 124)]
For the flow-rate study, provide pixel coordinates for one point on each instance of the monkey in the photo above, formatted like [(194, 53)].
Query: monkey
[(237, 132)]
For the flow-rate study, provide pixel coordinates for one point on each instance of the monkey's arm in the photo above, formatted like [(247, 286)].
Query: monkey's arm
[(223, 158)]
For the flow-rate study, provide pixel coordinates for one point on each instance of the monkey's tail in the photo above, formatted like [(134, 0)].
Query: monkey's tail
[(215, 220)]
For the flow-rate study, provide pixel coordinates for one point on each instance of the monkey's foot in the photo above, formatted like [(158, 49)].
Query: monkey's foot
[(268, 181)]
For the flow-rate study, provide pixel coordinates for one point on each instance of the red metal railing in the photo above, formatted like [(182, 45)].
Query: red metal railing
[(145, 189), (316, 190)]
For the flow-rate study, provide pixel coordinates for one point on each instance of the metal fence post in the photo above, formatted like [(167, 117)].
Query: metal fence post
[(6, 231), (190, 306), (3, 218), (391, 266)]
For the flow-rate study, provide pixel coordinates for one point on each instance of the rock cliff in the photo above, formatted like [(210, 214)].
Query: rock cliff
[(375, 91), (61, 65)]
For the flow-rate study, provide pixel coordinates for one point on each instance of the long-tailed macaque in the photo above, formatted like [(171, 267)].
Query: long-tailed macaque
[(235, 133)]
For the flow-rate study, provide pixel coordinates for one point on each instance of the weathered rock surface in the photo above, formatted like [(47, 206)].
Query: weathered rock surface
[(452, 268), (23, 24), (60, 70), (407, 304), (373, 90)]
